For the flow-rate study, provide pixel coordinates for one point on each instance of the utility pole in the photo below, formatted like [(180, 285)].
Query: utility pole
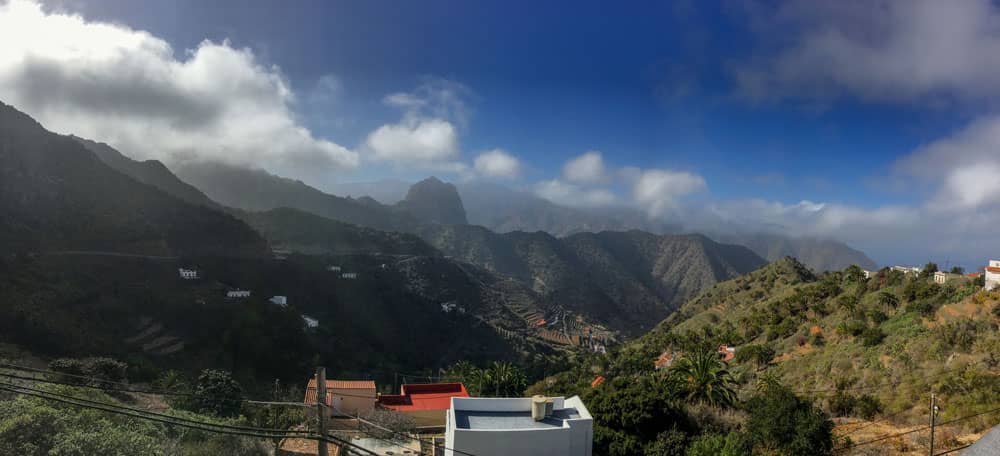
[(933, 413), (321, 409)]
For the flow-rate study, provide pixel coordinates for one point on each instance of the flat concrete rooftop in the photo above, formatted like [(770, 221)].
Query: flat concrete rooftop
[(476, 419)]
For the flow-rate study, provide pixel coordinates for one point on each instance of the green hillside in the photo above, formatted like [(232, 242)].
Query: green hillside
[(866, 352)]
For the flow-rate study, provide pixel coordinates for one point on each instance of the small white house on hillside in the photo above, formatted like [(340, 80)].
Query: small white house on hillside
[(349, 275), (992, 275), (310, 321), (238, 294), (279, 300), (187, 274), (333, 268)]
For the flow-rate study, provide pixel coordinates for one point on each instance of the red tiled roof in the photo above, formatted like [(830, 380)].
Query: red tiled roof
[(975, 275), (541, 322), (992, 269), (367, 387), (597, 381), (429, 396), (664, 359)]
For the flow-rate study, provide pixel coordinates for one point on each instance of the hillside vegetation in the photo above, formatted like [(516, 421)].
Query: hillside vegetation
[(858, 349)]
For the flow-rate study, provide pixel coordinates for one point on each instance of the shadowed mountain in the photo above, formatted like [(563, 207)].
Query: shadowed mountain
[(433, 201), (149, 172), (628, 279), (56, 194), (258, 190)]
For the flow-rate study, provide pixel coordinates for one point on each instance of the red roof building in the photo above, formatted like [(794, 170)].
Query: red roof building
[(425, 403), (352, 397), (597, 382), (727, 353)]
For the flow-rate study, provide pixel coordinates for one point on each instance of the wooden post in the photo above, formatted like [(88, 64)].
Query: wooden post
[(933, 412), (321, 409)]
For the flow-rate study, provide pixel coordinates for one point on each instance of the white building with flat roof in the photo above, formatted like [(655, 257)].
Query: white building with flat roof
[(187, 274), (991, 275), (506, 426)]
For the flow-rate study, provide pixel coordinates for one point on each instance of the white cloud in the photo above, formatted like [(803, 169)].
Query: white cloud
[(587, 168), (414, 140), (878, 50), (498, 163), (658, 190), (127, 87), (966, 166), (572, 195), (427, 134)]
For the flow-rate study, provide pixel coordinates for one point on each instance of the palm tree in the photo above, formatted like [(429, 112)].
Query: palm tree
[(704, 378), (503, 380)]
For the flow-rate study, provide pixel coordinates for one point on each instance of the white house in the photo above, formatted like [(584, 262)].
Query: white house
[(279, 300), (449, 306), (187, 274), (310, 321), (907, 269), (869, 274), (992, 275), (333, 268), (944, 277), (238, 294), (524, 426), (349, 275)]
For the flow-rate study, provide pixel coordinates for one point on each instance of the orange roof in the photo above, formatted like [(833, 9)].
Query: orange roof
[(992, 269), (367, 385), (597, 381), (428, 396), (975, 275), (664, 359), (541, 322)]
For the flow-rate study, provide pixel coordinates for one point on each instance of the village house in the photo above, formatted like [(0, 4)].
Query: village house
[(310, 322), (425, 403), (333, 268), (598, 381), (727, 353), (279, 300), (665, 360), (944, 277), (238, 294), (449, 306), (906, 269), (349, 275), (345, 397), (187, 274), (869, 274), (535, 426), (992, 275)]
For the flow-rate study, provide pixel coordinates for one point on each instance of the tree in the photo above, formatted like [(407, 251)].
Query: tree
[(503, 379), (731, 444), (888, 300), (703, 377), (929, 269), (758, 354), (957, 270), (853, 273), (216, 392), (781, 421)]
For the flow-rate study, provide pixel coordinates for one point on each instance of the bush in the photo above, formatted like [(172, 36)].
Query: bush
[(780, 420), (872, 337), (877, 316), (868, 406), (842, 404), (217, 393), (731, 444), (852, 327)]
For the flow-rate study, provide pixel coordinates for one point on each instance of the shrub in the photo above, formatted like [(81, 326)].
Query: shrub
[(842, 404), (780, 420), (852, 327), (216, 392), (731, 444), (877, 316), (871, 337), (868, 406)]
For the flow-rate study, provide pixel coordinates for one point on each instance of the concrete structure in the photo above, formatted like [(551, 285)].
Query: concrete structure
[(449, 306), (310, 321), (495, 427), (992, 275), (381, 447), (333, 268), (187, 274), (238, 294), (345, 397), (425, 403), (906, 269), (349, 275), (279, 300), (869, 274)]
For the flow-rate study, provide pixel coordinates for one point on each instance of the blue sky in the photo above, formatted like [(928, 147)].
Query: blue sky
[(828, 119)]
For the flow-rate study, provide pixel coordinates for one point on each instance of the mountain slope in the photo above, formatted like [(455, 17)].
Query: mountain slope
[(149, 172), (258, 190), (819, 254), (57, 195), (628, 279), (303, 232)]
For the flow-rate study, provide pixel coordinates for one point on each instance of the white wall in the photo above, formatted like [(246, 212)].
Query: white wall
[(575, 438)]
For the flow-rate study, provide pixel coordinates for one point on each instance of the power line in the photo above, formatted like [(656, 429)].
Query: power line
[(435, 445), (96, 380), (924, 428), (96, 387), (872, 422), (145, 416)]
